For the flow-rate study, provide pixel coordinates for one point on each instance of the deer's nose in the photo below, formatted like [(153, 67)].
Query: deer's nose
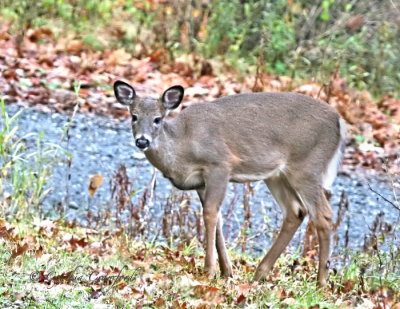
[(142, 142)]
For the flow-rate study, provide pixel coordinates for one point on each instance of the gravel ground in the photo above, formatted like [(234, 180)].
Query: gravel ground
[(100, 145)]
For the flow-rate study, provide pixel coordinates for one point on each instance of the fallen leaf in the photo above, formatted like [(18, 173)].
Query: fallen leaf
[(348, 285), (63, 278), (244, 288), (21, 249), (95, 182), (74, 241), (354, 23), (75, 46), (39, 252), (159, 302), (240, 299), (118, 57), (5, 230)]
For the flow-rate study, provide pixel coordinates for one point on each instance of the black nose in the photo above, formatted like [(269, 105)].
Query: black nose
[(142, 143)]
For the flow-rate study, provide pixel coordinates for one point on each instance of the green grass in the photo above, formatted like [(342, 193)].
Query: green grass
[(26, 167)]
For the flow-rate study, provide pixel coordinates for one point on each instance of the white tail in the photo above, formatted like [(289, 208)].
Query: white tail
[(291, 141)]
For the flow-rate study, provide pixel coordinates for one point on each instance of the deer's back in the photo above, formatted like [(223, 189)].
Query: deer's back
[(262, 127), (279, 116)]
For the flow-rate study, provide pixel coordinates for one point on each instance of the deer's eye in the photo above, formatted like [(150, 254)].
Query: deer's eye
[(134, 118), (157, 120)]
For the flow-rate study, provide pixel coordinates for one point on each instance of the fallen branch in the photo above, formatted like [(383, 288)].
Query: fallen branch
[(384, 198)]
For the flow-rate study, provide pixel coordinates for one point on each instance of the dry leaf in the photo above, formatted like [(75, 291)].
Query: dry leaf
[(94, 183), (159, 302), (240, 299), (21, 249), (75, 46), (118, 57)]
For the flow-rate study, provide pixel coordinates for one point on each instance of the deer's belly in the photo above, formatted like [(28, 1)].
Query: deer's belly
[(255, 176), (190, 181)]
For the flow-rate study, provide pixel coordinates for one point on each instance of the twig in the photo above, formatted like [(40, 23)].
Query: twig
[(384, 198), (152, 184), (394, 5), (248, 239), (230, 212)]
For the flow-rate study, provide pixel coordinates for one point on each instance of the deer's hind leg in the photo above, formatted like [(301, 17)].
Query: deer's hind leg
[(312, 193), (293, 214), (322, 219)]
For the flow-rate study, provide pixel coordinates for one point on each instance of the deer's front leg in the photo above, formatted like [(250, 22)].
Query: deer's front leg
[(223, 258), (216, 182)]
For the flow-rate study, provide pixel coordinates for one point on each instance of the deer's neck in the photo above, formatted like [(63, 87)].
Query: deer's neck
[(164, 153)]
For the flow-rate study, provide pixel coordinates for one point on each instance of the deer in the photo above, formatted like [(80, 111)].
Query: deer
[(293, 142)]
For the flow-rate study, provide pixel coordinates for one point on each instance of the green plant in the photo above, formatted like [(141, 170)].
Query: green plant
[(303, 39), (25, 169)]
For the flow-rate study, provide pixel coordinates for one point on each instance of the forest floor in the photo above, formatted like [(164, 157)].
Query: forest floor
[(48, 264)]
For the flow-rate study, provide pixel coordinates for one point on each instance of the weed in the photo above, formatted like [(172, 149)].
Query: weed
[(303, 39), (25, 169)]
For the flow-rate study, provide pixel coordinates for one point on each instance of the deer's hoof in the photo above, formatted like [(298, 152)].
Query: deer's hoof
[(210, 272), (227, 273), (259, 275)]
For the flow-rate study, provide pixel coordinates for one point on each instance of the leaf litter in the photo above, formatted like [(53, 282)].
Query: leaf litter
[(146, 276)]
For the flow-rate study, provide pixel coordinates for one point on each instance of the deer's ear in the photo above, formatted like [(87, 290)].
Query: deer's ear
[(124, 93), (172, 97)]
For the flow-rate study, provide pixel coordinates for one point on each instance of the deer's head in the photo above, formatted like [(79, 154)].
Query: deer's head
[(147, 113)]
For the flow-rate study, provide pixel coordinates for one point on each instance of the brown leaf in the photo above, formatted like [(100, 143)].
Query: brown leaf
[(118, 57), (348, 285), (21, 249), (355, 22), (10, 74), (47, 227), (5, 231), (158, 56), (94, 183), (46, 31), (75, 46), (5, 36), (205, 291), (121, 285), (63, 278), (179, 305), (33, 35), (39, 252), (74, 241), (206, 288), (83, 92), (244, 288), (240, 299), (136, 291), (159, 302), (182, 69), (206, 68)]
